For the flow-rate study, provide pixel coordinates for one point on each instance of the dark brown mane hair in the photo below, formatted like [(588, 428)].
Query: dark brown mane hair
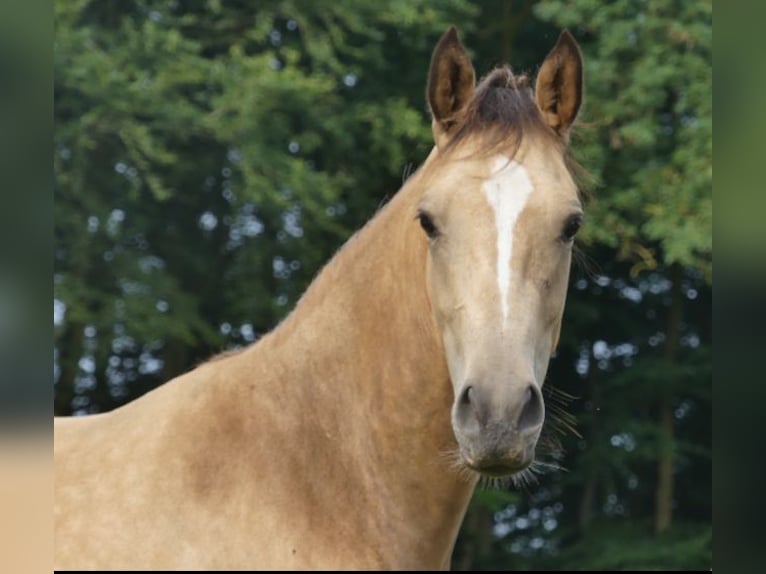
[(503, 110)]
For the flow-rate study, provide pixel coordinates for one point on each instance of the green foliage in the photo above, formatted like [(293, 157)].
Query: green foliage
[(208, 161), (646, 138), (631, 546), (649, 102)]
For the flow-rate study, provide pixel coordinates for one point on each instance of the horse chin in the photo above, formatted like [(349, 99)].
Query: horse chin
[(498, 470), (500, 466)]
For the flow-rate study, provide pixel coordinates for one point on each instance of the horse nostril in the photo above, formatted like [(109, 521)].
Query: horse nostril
[(533, 412), (468, 409), (465, 397)]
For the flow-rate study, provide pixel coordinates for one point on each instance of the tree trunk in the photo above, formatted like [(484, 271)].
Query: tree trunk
[(591, 389), (175, 359), (587, 502), (664, 499), (70, 352), (476, 538)]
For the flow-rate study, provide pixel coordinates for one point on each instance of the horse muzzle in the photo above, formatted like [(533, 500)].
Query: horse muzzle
[(497, 429)]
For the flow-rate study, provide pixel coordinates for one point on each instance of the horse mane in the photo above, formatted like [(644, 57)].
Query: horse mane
[(502, 112)]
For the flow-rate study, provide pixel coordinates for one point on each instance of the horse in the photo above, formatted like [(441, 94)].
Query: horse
[(354, 434)]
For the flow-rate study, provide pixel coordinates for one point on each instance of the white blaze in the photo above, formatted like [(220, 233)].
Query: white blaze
[(507, 191)]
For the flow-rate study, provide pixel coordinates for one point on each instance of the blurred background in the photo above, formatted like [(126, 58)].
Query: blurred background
[(210, 156)]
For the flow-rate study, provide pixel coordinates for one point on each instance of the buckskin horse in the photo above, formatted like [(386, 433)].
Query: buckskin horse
[(353, 435)]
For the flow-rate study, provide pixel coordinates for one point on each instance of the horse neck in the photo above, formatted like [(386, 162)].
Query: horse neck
[(363, 354)]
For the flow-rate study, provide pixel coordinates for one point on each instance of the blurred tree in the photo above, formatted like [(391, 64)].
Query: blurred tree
[(209, 158), (636, 347)]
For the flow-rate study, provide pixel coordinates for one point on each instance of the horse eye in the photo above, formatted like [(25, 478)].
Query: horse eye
[(428, 225), (571, 227)]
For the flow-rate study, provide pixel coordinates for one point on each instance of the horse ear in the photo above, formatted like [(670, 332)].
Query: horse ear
[(558, 90), (451, 82)]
